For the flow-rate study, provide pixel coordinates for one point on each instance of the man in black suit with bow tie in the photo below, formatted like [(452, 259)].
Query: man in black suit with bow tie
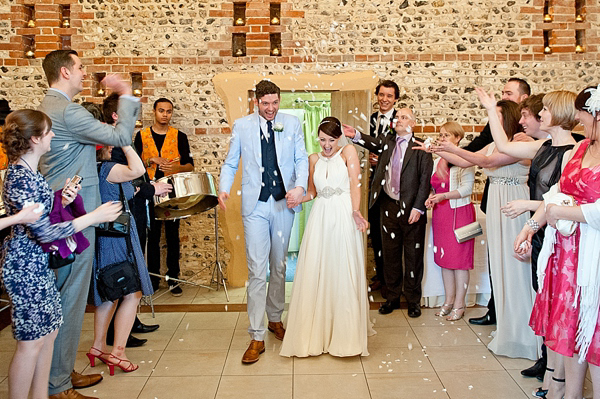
[(387, 93)]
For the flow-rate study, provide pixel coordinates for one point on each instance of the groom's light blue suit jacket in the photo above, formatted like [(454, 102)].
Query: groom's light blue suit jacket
[(245, 143)]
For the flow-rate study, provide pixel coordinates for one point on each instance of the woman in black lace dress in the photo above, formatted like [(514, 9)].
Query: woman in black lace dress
[(553, 115), (30, 284)]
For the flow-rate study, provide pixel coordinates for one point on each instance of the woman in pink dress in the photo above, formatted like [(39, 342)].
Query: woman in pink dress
[(566, 309), (451, 201)]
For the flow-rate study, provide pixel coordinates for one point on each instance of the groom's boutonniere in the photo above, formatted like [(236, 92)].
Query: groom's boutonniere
[(278, 127)]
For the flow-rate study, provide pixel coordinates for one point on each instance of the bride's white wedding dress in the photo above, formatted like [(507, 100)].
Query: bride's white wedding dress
[(329, 307)]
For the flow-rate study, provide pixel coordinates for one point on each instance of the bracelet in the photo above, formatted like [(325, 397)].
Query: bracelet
[(535, 226)]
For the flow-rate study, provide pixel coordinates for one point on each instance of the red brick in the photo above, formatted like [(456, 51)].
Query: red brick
[(258, 43), (257, 36), (373, 58), (293, 14), (46, 15), (47, 46), (531, 40), (258, 51), (46, 39), (514, 57), (9, 46), (10, 62), (258, 13), (258, 21), (177, 60), (220, 13), (46, 7), (137, 68), (360, 58), (200, 130), (489, 57)]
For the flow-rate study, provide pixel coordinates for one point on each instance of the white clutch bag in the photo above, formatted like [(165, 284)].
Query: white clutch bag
[(468, 232), (553, 196)]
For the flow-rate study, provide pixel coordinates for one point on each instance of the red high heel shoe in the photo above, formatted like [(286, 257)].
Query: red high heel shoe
[(128, 368), (92, 358)]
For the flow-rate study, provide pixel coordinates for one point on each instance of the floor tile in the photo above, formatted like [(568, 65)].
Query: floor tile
[(394, 319), (193, 387), (471, 358), (481, 384), (406, 386), (398, 337), (166, 321), (200, 340), (116, 387), (162, 297), (209, 321), (327, 364), (514, 363), (446, 336), (3, 387), (484, 333), (5, 359), (261, 386), (270, 363), (190, 363), (395, 361), (331, 386)]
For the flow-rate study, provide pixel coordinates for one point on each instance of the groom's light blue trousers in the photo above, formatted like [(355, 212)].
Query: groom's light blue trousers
[(267, 232)]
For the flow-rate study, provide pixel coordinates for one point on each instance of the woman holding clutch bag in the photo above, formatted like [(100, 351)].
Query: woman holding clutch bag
[(451, 200), (511, 277), (115, 179)]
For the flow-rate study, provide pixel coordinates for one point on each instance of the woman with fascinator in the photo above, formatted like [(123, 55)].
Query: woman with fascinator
[(329, 307), (566, 309)]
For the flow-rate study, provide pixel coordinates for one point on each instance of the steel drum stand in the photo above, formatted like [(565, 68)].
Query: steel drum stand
[(217, 272)]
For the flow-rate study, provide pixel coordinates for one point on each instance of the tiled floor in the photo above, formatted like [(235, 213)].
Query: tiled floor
[(198, 355)]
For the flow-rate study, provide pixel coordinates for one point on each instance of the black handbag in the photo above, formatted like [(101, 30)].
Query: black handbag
[(120, 226), (119, 279), (55, 261)]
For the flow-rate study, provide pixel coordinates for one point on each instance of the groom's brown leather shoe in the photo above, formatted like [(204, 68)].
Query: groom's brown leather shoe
[(70, 394), (253, 352), (277, 328)]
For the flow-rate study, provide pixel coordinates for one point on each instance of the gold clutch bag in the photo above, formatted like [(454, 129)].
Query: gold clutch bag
[(468, 232)]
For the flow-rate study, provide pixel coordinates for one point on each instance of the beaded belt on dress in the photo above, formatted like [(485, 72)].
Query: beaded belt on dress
[(508, 181), (328, 192)]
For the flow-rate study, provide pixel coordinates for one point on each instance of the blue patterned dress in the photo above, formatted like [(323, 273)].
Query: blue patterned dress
[(111, 250), (36, 310)]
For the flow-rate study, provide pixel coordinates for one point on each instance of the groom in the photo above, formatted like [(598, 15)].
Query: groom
[(274, 176)]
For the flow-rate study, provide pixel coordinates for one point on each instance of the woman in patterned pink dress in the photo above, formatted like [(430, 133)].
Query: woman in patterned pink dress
[(556, 313)]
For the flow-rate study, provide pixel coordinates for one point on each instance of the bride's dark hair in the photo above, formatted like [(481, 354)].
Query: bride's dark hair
[(330, 126)]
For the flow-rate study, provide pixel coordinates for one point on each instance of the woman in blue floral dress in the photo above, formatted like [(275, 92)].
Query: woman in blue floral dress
[(30, 284)]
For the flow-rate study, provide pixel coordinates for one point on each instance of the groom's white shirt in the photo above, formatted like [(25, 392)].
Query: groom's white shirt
[(245, 143)]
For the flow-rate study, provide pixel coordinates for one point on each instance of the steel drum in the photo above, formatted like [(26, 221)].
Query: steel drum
[(192, 193)]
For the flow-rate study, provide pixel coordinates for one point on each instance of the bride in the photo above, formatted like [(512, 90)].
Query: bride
[(329, 306)]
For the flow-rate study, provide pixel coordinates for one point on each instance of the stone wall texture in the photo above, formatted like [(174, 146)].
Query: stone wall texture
[(436, 50)]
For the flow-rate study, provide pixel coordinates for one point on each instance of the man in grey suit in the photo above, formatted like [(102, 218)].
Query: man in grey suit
[(73, 152), (274, 180)]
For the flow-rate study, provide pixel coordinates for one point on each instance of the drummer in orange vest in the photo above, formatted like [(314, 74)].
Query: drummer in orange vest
[(165, 151)]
